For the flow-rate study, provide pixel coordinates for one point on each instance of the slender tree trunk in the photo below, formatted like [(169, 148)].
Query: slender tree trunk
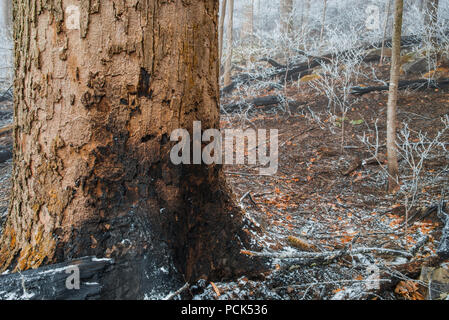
[(393, 169), (323, 21), (97, 95), (431, 19), (387, 19), (229, 40), (221, 30), (305, 20), (286, 10), (248, 25), (6, 9)]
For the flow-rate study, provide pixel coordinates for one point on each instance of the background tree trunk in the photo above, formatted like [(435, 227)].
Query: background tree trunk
[(248, 24), (387, 19), (393, 168), (6, 19), (286, 10), (221, 30), (431, 19), (229, 40), (95, 103), (305, 21), (323, 20)]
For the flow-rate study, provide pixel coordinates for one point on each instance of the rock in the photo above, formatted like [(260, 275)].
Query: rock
[(438, 282)]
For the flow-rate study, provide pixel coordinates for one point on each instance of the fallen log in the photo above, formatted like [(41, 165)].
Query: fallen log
[(5, 154), (53, 282), (420, 84), (259, 102)]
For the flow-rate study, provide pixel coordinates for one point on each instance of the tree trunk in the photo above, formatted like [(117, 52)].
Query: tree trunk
[(229, 29), (393, 169), (248, 25), (286, 10), (431, 19), (6, 19), (221, 30), (98, 91), (305, 21), (387, 18), (323, 21)]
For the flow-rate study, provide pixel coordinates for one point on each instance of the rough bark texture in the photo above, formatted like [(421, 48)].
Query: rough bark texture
[(393, 98), (94, 109), (229, 40)]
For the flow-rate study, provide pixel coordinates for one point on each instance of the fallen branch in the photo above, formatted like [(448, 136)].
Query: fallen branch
[(174, 294), (327, 255)]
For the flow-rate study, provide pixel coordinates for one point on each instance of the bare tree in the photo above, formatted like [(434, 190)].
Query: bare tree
[(323, 21), (229, 44), (248, 25), (387, 19), (305, 17), (6, 19), (221, 30), (393, 168), (286, 9), (431, 19)]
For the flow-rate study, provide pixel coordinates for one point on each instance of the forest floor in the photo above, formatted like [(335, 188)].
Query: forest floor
[(323, 198)]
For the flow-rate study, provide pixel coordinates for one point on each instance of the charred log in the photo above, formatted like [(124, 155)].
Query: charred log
[(420, 84)]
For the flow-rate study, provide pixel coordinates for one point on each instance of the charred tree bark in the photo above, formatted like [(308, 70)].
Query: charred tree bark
[(393, 169), (98, 89)]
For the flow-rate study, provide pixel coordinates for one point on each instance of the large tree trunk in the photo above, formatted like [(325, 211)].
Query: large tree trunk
[(393, 169), (96, 99), (229, 40)]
